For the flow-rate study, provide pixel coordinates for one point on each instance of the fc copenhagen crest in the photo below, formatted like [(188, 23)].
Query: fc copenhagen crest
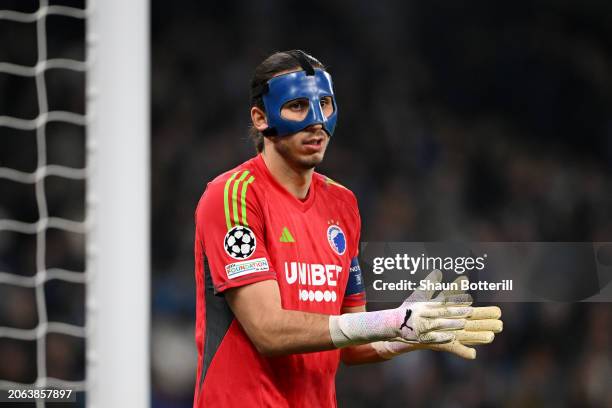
[(336, 239), (239, 242)]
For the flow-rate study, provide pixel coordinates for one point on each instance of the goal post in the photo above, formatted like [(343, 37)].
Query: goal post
[(118, 139), (116, 223)]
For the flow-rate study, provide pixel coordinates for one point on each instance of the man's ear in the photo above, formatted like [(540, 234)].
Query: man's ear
[(258, 117)]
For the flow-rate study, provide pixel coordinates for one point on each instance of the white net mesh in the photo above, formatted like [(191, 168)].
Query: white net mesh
[(15, 277)]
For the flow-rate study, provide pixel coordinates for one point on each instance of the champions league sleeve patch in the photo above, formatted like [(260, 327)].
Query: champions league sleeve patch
[(240, 242)]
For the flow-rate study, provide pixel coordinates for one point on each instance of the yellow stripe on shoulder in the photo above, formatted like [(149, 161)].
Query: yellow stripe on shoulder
[(335, 183), (235, 198), (226, 203)]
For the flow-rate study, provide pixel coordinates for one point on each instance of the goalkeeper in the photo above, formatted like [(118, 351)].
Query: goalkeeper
[(280, 296)]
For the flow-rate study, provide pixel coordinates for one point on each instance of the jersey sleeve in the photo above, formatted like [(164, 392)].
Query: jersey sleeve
[(230, 226), (355, 295)]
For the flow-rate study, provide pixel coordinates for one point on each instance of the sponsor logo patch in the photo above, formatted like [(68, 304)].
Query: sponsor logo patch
[(321, 280), (237, 269)]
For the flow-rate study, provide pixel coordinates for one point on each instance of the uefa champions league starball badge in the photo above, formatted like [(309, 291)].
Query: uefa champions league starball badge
[(239, 242), (336, 239)]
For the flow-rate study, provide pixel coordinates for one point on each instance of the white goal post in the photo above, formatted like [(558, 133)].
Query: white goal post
[(116, 225), (118, 140)]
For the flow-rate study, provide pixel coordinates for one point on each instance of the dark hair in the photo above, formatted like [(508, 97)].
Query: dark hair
[(275, 63)]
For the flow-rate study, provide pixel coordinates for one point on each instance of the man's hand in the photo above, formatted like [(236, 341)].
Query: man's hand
[(420, 319), (433, 321), (480, 328)]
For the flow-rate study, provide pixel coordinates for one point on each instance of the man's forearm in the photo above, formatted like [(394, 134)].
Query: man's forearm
[(274, 330), (277, 331), (289, 331)]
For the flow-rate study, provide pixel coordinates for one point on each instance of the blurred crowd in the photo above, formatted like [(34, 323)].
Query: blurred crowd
[(457, 122)]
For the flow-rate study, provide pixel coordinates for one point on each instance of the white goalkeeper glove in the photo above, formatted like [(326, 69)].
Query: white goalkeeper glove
[(480, 328), (419, 320)]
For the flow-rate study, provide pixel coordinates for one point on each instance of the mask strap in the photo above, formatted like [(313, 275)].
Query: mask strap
[(300, 56)]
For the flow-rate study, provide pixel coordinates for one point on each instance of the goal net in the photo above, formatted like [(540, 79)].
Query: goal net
[(74, 261)]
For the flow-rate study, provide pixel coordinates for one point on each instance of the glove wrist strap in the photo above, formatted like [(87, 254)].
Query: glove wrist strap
[(351, 329)]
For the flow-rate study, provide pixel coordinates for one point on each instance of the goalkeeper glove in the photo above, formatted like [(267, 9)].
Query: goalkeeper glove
[(419, 320), (480, 328)]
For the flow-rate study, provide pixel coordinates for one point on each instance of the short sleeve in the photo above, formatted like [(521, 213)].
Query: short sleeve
[(355, 294), (356, 228), (230, 226)]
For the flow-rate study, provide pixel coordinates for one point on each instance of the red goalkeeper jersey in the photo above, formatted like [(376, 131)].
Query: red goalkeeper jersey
[(249, 229)]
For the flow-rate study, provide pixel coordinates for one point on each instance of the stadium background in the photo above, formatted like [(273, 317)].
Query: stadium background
[(471, 121), (475, 122)]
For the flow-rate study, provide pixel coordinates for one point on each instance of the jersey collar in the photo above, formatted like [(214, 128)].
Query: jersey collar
[(302, 205)]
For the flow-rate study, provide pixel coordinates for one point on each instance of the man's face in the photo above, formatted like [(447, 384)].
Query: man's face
[(305, 148)]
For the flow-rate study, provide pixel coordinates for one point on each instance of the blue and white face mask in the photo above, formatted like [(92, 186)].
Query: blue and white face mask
[(299, 85)]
